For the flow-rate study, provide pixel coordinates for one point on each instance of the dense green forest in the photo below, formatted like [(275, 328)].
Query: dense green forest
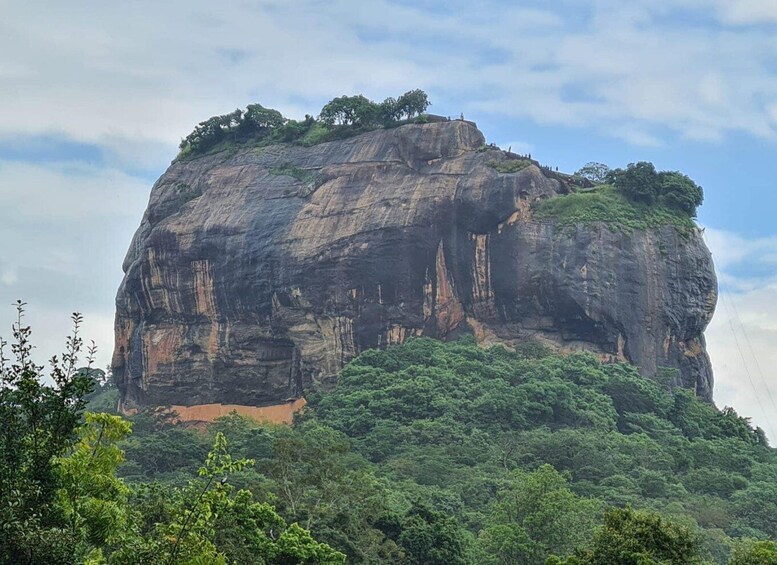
[(426, 453)]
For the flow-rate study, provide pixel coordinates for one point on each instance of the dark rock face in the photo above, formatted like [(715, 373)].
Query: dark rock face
[(256, 275)]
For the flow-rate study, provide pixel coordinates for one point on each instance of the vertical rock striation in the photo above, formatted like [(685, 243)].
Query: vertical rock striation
[(256, 275)]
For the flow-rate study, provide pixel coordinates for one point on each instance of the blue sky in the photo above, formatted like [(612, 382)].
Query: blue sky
[(95, 96)]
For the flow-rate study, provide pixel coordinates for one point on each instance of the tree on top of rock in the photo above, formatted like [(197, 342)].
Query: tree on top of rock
[(639, 181), (350, 110), (593, 171), (258, 118), (680, 192), (413, 102)]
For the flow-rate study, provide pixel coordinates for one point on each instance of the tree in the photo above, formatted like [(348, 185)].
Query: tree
[(595, 172), (757, 553), (390, 111), (639, 181), (338, 110), (755, 507), (351, 110), (257, 118), (91, 499), (38, 423), (205, 135), (413, 102), (247, 528), (680, 192), (366, 113), (536, 516), (105, 394), (335, 112), (431, 538), (315, 478), (631, 537), (61, 501), (208, 521), (257, 122)]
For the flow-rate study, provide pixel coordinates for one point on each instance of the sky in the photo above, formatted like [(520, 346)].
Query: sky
[(95, 97)]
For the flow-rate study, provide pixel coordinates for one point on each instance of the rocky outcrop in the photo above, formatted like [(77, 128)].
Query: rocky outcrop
[(257, 274)]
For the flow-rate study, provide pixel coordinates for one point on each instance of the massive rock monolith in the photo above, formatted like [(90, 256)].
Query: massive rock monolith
[(257, 274)]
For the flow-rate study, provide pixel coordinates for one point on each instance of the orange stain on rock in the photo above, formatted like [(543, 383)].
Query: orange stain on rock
[(161, 345), (448, 312), (274, 414)]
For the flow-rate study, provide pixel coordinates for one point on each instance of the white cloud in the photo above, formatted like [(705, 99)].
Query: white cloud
[(113, 73), (731, 249), (748, 11), (741, 342), (743, 332), (8, 275), (137, 153), (636, 136), (64, 194)]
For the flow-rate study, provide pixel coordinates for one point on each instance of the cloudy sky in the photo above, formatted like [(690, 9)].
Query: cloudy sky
[(95, 96)]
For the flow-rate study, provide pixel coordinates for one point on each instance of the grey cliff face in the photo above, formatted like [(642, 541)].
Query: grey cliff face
[(257, 275)]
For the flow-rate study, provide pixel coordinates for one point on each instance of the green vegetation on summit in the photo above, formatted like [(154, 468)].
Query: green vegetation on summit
[(638, 197), (341, 117), (608, 205)]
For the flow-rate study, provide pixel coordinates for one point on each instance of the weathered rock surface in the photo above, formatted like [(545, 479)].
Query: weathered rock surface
[(256, 275)]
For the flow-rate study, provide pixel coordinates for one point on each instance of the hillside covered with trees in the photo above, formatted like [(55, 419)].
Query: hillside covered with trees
[(426, 453)]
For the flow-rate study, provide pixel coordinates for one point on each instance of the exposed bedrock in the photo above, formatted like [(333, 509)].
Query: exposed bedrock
[(256, 275)]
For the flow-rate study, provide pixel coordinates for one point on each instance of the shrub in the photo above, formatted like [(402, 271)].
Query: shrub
[(312, 179), (507, 167)]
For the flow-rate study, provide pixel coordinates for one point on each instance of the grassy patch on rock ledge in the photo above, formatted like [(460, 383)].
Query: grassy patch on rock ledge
[(507, 167), (312, 179), (606, 205), (302, 175)]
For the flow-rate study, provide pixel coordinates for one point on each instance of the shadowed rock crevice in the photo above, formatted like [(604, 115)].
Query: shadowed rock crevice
[(257, 275)]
